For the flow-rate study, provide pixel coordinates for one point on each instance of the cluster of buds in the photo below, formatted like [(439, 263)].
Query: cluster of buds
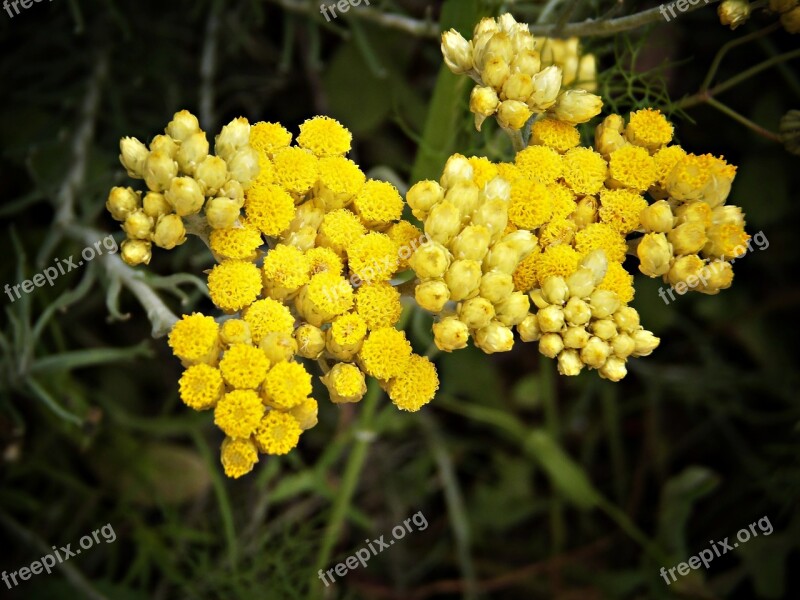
[(733, 13), (321, 291), (578, 69), (584, 326), (789, 11), (182, 180), (516, 80)]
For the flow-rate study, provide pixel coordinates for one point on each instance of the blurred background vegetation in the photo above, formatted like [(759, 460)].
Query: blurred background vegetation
[(534, 485)]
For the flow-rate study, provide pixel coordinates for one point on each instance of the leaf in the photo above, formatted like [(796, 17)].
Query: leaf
[(678, 498)]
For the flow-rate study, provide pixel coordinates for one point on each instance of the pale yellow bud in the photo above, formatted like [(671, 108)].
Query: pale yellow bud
[(522, 40), (430, 261), (537, 298), (595, 352), (587, 73), (655, 254), (476, 312), (221, 212), (528, 329), (185, 196), (575, 337), (193, 151), (135, 252), (456, 169), (471, 244), (688, 238), (335, 380), (133, 155), (623, 346), (686, 271), (614, 369), (608, 135), (627, 319), (791, 20), (155, 205), (500, 46), (183, 125), (734, 13), (658, 217), (423, 196), (233, 190), (308, 214), (496, 189), (719, 276), (159, 171), (457, 52), (586, 212), (502, 257), (278, 346), (555, 290), (310, 341), (234, 136), (727, 214), (695, 210), (518, 86), (645, 342), (305, 238), (577, 106), (522, 241), (551, 319), (513, 309), (483, 102), (495, 337), (243, 165), (528, 62), (577, 312), (463, 278), (496, 286), (507, 24), (211, 174), (597, 263), (603, 303), (169, 232), (432, 295), (235, 331), (306, 414), (492, 214), (569, 363), (546, 86), (569, 69), (605, 329), (513, 114), (122, 202), (464, 196), (450, 334), (479, 43), (165, 144), (443, 223), (484, 26), (551, 344), (581, 283), (138, 226)]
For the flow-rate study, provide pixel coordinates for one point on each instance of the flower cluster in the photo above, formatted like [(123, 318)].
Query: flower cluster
[(515, 80), (734, 13), (182, 180)]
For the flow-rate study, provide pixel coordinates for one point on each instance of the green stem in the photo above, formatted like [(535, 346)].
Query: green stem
[(712, 71), (723, 108), (347, 488), (611, 415), (548, 388)]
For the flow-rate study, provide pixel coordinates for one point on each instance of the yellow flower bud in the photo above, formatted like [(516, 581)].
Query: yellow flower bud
[(655, 254), (569, 363), (423, 196), (183, 125), (734, 12), (135, 252), (457, 168), (595, 352), (306, 413), (496, 189), (496, 286), (614, 369), (346, 336), (495, 72), (443, 223), (500, 46), (463, 278), (483, 102), (551, 319), (551, 344), (688, 238), (581, 283), (234, 136), (546, 86), (513, 309), (513, 114), (518, 86), (221, 212), (450, 334), (605, 329), (169, 232), (627, 319), (495, 337), (603, 303), (464, 196), (310, 341), (528, 329), (122, 202), (686, 271), (476, 312), (346, 383), (430, 261), (694, 211), (457, 52), (719, 276), (278, 346), (484, 26), (575, 337), (555, 290), (597, 262), (658, 217), (243, 165), (538, 299), (577, 312), (432, 295), (586, 212), (608, 135), (155, 205), (726, 241), (577, 106), (133, 155), (185, 196), (159, 171), (645, 342), (587, 73), (233, 190), (727, 214), (623, 346), (165, 144), (235, 331), (493, 215), (472, 243), (527, 61), (211, 174), (192, 152), (138, 226)]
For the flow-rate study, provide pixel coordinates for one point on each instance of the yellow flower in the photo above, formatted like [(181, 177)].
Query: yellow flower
[(378, 304), (296, 169), (619, 281), (244, 366), (540, 163), (560, 260), (340, 180), (306, 413), (649, 129), (558, 135), (531, 205), (378, 203), (557, 231), (269, 208), (235, 331), (321, 259), (562, 200), (726, 240), (621, 209), (345, 383), (524, 276), (238, 413), (267, 315), (285, 270), (236, 243), (416, 386), (483, 170), (339, 229), (584, 170), (373, 257), (666, 158), (234, 284), (201, 386), (286, 385), (632, 167), (600, 236), (268, 138), (324, 137), (238, 456), (346, 335), (385, 353), (407, 238), (278, 433), (326, 296), (194, 339)]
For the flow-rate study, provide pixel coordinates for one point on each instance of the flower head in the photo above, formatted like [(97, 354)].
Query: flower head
[(238, 413), (324, 137), (277, 433)]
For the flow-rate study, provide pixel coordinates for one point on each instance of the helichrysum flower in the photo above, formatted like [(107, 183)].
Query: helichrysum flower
[(234, 284), (378, 304), (270, 208), (385, 353), (267, 315), (346, 383), (244, 366), (378, 203), (268, 138), (236, 243), (324, 137), (238, 413), (416, 386), (238, 455), (277, 433), (286, 385), (585, 171), (201, 386), (195, 339)]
